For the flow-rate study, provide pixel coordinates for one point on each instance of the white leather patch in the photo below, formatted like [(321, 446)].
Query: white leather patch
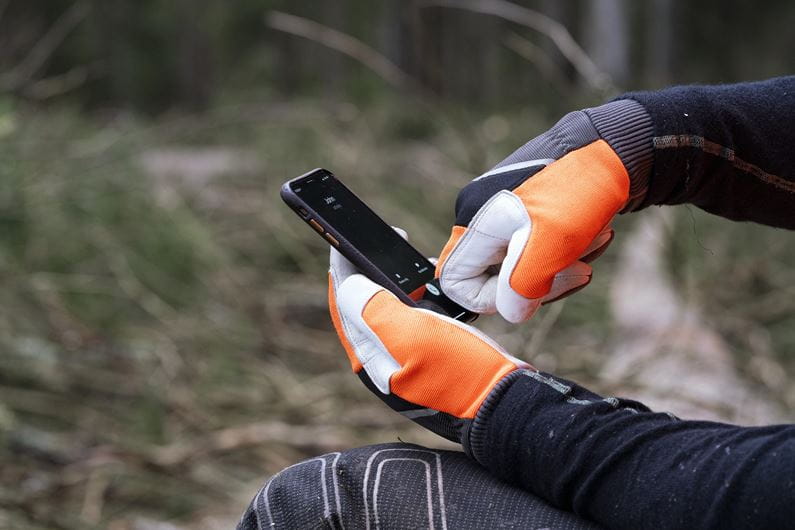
[(465, 276), (572, 277), (352, 297), (511, 305), (339, 270)]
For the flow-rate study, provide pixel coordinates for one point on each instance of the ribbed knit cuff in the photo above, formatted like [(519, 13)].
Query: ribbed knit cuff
[(473, 436), (627, 127)]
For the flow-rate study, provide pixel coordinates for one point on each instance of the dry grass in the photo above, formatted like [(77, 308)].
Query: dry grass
[(164, 329)]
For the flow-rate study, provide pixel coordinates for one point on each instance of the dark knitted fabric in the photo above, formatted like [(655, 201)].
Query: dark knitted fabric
[(728, 149), (616, 463), (627, 127)]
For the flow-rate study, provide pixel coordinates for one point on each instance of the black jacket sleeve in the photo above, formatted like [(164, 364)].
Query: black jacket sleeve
[(729, 149), (617, 463)]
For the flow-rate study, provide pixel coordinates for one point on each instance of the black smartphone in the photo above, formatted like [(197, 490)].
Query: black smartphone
[(350, 226)]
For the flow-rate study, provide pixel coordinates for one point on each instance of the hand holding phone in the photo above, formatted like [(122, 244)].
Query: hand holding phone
[(367, 241)]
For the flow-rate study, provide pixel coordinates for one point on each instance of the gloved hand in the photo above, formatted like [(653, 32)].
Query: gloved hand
[(525, 230), (432, 369)]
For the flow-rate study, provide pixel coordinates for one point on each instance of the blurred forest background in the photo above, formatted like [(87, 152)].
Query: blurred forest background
[(165, 341)]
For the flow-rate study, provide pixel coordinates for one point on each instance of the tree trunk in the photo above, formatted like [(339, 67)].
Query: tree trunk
[(608, 38)]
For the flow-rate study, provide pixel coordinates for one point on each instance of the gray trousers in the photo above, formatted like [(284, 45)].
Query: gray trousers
[(397, 486)]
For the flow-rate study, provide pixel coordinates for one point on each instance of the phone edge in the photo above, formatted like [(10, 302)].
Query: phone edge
[(358, 259)]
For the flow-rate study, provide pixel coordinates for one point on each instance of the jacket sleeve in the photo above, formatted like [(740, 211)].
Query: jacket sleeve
[(615, 462), (728, 149)]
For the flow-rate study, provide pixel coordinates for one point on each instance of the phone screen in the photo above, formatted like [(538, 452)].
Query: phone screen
[(365, 231)]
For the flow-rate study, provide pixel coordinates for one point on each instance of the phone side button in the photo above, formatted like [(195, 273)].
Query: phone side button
[(314, 224), (333, 240)]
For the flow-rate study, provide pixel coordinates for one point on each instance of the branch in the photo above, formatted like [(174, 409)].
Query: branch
[(45, 47), (529, 51), (553, 29), (57, 85), (342, 43)]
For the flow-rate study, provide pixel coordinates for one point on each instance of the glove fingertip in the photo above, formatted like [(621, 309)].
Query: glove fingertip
[(355, 291), (569, 281), (599, 245), (514, 307), (402, 233)]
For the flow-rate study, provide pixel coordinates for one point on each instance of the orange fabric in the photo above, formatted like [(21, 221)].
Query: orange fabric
[(569, 203), (443, 367), (335, 318), (455, 235)]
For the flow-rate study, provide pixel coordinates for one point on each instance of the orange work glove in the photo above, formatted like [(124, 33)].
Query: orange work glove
[(432, 369), (525, 230)]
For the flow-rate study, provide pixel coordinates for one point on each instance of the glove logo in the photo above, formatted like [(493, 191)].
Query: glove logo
[(432, 289)]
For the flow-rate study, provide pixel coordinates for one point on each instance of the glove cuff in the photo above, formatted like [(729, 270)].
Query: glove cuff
[(627, 127), (474, 432)]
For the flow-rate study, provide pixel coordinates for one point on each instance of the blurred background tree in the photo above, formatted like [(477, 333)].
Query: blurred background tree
[(165, 343), (155, 55)]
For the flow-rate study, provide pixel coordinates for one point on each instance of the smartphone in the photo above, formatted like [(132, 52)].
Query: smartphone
[(367, 241)]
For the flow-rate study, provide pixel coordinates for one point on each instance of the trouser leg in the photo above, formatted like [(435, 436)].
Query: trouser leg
[(397, 486)]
